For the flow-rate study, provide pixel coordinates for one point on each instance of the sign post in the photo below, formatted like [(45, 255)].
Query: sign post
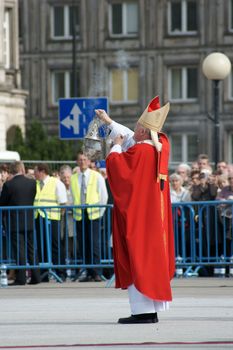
[(75, 115)]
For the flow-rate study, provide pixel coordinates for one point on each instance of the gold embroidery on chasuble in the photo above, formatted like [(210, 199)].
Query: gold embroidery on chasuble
[(162, 217)]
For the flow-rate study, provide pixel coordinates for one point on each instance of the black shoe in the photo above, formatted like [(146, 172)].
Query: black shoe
[(97, 278), (16, 283), (86, 279), (140, 318), (44, 279), (33, 282)]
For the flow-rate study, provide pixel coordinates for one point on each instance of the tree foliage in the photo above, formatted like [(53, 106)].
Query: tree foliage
[(37, 145)]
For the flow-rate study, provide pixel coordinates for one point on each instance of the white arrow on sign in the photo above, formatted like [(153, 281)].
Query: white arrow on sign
[(69, 122)]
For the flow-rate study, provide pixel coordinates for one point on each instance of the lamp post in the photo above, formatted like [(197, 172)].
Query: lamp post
[(74, 53), (216, 67)]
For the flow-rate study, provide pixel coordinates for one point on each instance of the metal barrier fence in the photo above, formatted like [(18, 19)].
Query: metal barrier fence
[(29, 240), (203, 237)]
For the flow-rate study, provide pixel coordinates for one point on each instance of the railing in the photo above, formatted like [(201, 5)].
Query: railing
[(30, 242), (203, 237)]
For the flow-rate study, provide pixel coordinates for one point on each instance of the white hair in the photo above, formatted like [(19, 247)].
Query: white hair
[(176, 176), (65, 168), (184, 166)]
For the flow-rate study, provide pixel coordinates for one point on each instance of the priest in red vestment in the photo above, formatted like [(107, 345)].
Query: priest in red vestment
[(143, 240)]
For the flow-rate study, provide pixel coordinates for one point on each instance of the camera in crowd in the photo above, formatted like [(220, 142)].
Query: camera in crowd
[(204, 175)]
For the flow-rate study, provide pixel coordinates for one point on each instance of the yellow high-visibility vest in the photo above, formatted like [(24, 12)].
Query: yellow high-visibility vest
[(92, 196), (47, 197)]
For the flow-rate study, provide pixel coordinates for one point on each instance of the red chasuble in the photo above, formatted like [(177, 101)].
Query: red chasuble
[(143, 240)]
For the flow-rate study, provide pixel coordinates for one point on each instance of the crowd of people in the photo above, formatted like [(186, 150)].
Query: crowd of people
[(201, 182), (196, 182), (83, 185)]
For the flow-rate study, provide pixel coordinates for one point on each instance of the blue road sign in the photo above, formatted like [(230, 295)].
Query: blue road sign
[(75, 114)]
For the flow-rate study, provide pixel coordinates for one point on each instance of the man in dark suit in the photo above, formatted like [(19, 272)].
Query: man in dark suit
[(20, 191)]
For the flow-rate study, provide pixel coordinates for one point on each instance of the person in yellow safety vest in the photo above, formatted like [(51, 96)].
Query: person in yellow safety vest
[(88, 188), (50, 191)]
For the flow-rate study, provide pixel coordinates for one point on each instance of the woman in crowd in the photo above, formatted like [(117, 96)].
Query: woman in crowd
[(222, 182), (178, 192), (180, 217), (184, 170)]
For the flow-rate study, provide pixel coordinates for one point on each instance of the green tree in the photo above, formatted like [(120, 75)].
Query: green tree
[(36, 142), (37, 145), (17, 143), (63, 149)]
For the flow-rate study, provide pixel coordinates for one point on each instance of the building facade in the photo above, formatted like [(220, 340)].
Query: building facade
[(12, 97), (130, 51)]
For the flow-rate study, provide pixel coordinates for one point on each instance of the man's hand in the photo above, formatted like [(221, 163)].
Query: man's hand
[(118, 140), (103, 116)]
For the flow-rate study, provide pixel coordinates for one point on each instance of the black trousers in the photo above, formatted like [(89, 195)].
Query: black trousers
[(88, 239), (56, 248), (20, 241)]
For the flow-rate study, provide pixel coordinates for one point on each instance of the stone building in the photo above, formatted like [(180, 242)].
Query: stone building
[(12, 97), (129, 51)]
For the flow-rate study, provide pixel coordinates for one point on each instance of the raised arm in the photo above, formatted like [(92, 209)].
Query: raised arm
[(102, 115), (117, 129)]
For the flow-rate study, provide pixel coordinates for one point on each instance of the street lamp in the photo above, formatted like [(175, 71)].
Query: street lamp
[(216, 67), (74, 53)]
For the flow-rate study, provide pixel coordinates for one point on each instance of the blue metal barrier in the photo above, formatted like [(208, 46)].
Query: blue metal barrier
[(203, 234), (203, 237), (54, 246)]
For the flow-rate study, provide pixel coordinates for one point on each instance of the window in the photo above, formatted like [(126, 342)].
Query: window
[(7, 38), (124, 19), (182, 17), (62, 21), (183, 83), (124, 85), (63, 85), (184, 147)]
